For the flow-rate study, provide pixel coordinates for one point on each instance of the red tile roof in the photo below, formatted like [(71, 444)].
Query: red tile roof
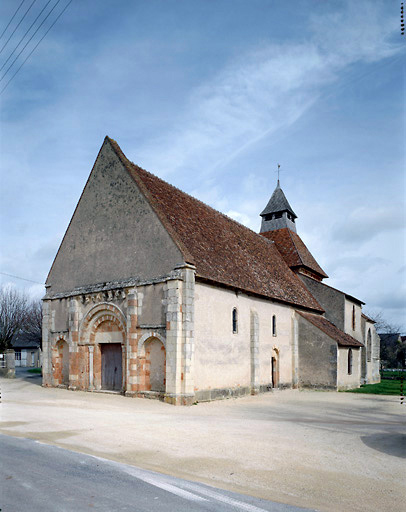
[(222, 250), (342, 339), (293, 250)]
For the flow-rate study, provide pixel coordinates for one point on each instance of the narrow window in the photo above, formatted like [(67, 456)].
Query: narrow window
[(349, 361), (369, 346), (235, 321), (353, 318), (17, 356), (273, 325)]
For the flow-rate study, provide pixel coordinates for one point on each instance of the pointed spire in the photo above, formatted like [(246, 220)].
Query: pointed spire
[(278, 213)]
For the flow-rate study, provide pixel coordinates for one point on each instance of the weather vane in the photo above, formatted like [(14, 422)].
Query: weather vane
[(278, 171)]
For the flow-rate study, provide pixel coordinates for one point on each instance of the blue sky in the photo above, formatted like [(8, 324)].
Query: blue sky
[(210, 95)]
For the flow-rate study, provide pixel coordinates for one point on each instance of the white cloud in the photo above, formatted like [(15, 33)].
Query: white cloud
[(364, 223), (269, 88)]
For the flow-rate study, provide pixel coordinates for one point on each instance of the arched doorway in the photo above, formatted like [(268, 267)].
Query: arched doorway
[(108, 339), (103, 329), (275, 368), (153, 366), (62, 363)]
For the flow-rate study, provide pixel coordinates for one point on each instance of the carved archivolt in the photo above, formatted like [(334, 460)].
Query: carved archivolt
[(102, 312)]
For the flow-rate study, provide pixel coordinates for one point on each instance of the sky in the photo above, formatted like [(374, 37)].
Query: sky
[(210, 95)]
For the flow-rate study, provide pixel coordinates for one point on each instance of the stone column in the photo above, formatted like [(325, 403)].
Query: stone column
[(73, 343), (91, 384), (173, 295), (10, 364), (254, 351), (295, 352), (188, 349), (179, 299), (131, 343)]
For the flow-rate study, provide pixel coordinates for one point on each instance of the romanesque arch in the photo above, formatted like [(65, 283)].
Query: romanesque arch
[(275, 367), (60, 362), (152, 363), (103, 331)]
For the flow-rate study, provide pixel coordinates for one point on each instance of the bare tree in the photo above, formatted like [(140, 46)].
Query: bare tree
[(33, 323), (13, 314), (382, 325), (393, 347)]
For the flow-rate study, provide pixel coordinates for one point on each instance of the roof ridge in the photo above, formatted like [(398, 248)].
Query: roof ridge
[(145, 180), (296, 247), (127, 163), (115, 145)]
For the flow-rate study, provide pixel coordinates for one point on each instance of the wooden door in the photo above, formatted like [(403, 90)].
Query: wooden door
[(111, 375), (274, 373)]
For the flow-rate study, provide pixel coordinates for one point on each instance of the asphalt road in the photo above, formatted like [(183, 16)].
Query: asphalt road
[(39, 477)]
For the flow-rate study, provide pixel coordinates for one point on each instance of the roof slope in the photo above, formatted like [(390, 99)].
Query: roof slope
[(293, 250), (222, 250), (278, 203), (342, 339), (25, 340), (365, 317)]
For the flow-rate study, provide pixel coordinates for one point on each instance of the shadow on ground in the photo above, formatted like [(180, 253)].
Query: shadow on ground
[(391, 443), (32, 378)]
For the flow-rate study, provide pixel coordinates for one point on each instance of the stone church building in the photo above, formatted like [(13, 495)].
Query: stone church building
[(155, 294)]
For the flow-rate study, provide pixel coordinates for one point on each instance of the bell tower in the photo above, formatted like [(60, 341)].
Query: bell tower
[(278, 213)]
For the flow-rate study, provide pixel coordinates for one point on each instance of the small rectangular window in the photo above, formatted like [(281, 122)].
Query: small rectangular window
[(18, 356)]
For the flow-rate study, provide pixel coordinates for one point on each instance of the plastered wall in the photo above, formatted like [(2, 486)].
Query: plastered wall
[(114, 233), (222, 358), (331, 300), (344, 380), (317, 357)]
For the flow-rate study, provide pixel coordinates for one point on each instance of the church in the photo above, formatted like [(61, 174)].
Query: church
[(154, 294)]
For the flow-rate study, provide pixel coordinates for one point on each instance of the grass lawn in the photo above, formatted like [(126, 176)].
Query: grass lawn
[(35, 370), (386, 387)]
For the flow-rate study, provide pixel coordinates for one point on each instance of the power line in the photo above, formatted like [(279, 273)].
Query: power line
[(8, 24), (35, 47), (22, 278), (28, 42), (18, 24), (22, 39)]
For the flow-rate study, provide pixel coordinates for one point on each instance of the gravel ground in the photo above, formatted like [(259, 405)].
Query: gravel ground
[(324, 450)]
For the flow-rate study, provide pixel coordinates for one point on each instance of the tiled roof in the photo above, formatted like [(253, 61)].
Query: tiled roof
[(342, 339), (293, 250), (278, 203), (25, 340), (222, 250)]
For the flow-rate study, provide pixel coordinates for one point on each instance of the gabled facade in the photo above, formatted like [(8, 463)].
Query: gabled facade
[(153, 293)]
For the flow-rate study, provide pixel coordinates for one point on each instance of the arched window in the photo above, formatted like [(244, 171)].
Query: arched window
[(349, 361), (273, 325), (353, 318), (235, 321), (369, 346)]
